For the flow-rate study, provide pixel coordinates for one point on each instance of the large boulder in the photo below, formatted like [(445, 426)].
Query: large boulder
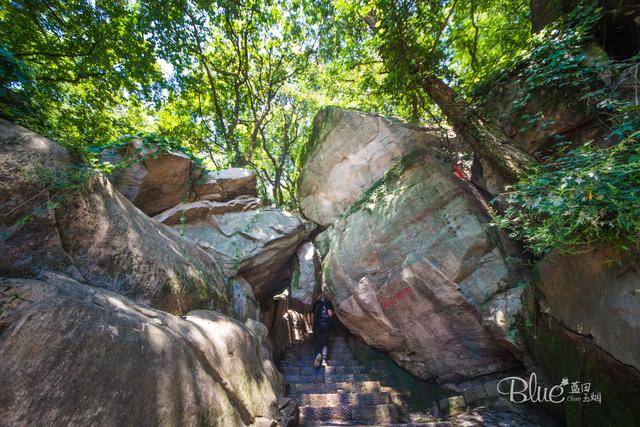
[(257, 244), (410, 266), (347, 152), (155, 178), (582, 324), (78, 355), (62, 217)]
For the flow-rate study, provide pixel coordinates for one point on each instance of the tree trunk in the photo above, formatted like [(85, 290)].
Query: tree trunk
[(502, 163), (507, 162)]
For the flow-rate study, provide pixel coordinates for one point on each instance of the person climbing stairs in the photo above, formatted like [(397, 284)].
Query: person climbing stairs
[(339, 392)]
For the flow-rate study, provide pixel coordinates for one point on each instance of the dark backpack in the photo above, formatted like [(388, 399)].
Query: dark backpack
[(322, 313)]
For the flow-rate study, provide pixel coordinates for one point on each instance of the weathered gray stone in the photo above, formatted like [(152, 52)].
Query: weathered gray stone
[(78, 355), (257, 244), (347, 153), (499, 316), (410, 265), (322, 242), (244, 303), (306, 278)]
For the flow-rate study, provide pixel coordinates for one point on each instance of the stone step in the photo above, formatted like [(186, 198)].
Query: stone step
[(304, 379), (365, 414), (340, 378), (329, 369), (325, 378), (309, 364), (341, 399), (332, 359), (345, 387), (311, 352)]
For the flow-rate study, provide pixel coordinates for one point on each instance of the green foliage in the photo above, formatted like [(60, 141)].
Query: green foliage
[(75, 65), (295, 279), (588, 195), (555, 58)]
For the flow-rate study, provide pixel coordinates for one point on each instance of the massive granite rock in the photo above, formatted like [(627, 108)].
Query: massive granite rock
[(410, 267), (29, 238), (156, 178), (60, 216), (582, 311), (78, 355), (257, 244), (347, 152)]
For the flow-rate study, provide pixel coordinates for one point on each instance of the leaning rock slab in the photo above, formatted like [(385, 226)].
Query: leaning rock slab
[(257, 244), (409, 267), (156, 180), (226, 184), (93, 233), (348, 151), (78, 355), (200, 210)]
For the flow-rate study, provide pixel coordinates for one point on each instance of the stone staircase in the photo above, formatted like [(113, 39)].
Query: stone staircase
[(340, 392)]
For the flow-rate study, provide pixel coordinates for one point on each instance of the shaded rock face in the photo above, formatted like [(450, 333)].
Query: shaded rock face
[(74, 354), (410, 266), (95, 234), (583, 325), (306, 278), (594, 295), (284, 324), (347, 153), (559, 113), (157, 179), (29, 246), (244, 303), (257, 244)]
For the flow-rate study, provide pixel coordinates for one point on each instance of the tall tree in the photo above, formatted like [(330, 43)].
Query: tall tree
[(410, 35), (80, 61)]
